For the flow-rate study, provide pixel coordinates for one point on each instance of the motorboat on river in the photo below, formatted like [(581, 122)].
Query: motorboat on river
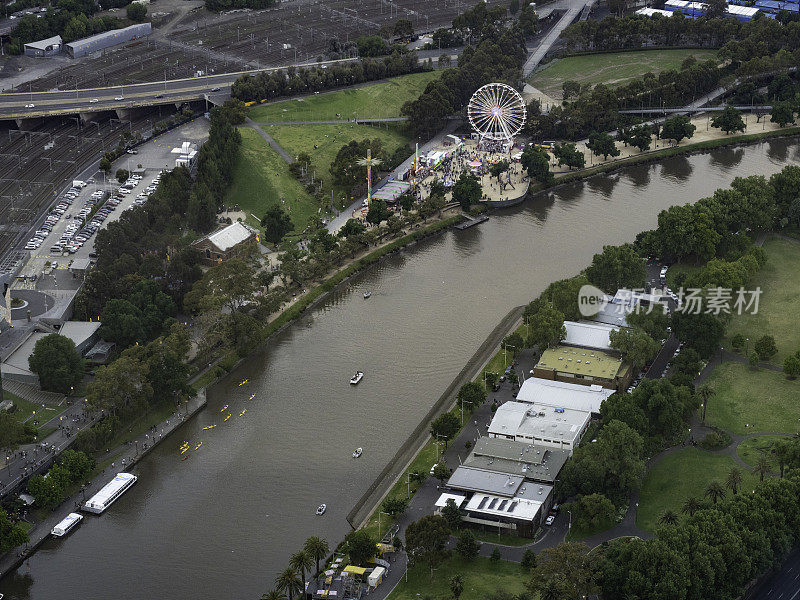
[(357, 452), (356, 378), (321, 509)]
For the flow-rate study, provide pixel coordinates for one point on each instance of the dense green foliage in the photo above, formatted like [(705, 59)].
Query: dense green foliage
[(57, 363), (50, 490)]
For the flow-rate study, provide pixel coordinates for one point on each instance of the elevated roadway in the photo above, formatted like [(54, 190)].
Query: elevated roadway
[(30, 105)]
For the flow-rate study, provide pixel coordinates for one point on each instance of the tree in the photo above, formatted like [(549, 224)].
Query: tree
[(765, 347), (668, 517), (734, 480), (351, 227), (791, 366), (528, 560), (451, 514), (377, 211), (528, 20), (640, 137), (570, 89), (738, 342), (602, 144), (121, 323), (568, 570), (288, 581), (273, 595), (763, 467), (729, 120), (316, 548), (498, 169), (122, 175), (467, 190), (394, 506), (636, 346), (105, 164), (467, 546), (441, 471), (691, 505), (300, 561), (595, 512), (276, 224), (472, 394), (716, 8), (568, 154), (426, 540), (753, 360), (617, 267), (715, 491), (57, 363), (677, 128), (513, 6), (546, 328), (537, 163), (782, 113), (701, 331), (11, 534), (456, 586), (359, 546), (137, 12), (655, 324), (706, 392), (403, 28), (13, 433), (495, 556), (445, 426)]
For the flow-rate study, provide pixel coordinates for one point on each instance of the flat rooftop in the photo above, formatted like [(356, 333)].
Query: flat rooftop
[(537, 420), (524, 505), (580, 361), (588, 398), (470, 479), (533, 462), (588, 335)]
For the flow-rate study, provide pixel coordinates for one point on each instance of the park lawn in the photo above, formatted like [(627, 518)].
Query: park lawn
[(613, 68), (751, 449), (328, 139), (155, 416), (378, 100), (679, 475), (261, 178), (752, 401), (481, 576), (27, 410), (779, 302), (501, 539)]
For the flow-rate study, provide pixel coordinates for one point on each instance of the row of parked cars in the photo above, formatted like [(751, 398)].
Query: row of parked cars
[(55, 215), (143, 196), (77, 233)]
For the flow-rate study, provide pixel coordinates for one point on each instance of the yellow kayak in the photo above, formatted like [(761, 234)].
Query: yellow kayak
[(209, 427), (226, 418), (184, 449), (224, 408), (198, 446), (244, 411), (242, 383), (253, 396)]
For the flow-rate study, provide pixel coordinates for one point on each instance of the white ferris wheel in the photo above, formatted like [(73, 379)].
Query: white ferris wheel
[(497, 113)]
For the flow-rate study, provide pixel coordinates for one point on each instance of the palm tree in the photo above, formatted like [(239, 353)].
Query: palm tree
[(715, 491), (705, 392), (781, 451), (456, 586), (289, 582), (734, 480), (668, 517), (691, 506), (763, 467), (273, 595), (300, 561), (316, 548)]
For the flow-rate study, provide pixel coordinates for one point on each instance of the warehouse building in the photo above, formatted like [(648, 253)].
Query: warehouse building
[(539, 424), (226, 243), (587, 398), (538, 464), (584, 367), (582, 334), (107, 39), (49, 47)]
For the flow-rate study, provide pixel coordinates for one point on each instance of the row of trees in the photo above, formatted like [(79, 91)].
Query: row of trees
[(292, 81), (291, 581), (50, 490)]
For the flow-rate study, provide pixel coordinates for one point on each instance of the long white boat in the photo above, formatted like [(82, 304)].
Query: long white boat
[(65, 526), (109, 493)]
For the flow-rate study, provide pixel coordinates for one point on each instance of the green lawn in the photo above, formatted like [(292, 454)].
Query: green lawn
[(750, 450), (779, 302), (684, 473), (30, 411), (481, 578), (753, 401), (378, 100), (614, 68), (328, 139), (261, 178), (503, 539)]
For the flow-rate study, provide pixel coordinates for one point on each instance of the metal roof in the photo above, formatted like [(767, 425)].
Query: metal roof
[(559, 393), (520, 419), (229, 236), (533, 462), (45, 44), (580, 361), (525, 505), (471, 479), (589, 335)]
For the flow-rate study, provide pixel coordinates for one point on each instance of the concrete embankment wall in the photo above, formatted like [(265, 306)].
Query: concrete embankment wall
[(365, 505)]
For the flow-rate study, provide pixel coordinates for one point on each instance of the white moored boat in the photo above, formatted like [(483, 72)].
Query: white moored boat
[(356, 378), (357, 452), (321, 509), (65, 526), (109, 493), (367, 295)]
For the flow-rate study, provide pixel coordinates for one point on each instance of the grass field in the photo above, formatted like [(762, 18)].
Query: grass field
[(752, 449), (261, 178), (779, 302), (614, 68), (753, 401), (684, 473), (378, 100), (28, 410), (481, 578), (328, 139)]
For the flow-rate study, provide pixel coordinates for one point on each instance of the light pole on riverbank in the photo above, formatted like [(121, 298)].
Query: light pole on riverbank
[(505, 347), (380, 512)]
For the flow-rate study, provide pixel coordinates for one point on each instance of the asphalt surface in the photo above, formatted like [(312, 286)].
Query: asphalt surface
[(783, 585)]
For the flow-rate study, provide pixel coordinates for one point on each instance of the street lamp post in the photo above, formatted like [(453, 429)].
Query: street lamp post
[(380, 512)]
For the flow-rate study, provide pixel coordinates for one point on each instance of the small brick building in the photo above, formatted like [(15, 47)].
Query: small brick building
[(226, 243)]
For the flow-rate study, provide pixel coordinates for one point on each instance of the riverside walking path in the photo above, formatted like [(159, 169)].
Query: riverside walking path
[(124, 457)]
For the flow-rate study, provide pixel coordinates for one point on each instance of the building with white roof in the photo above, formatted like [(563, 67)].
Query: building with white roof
[(586, 398), (652, 12), (585, 334), (48, 47), (225, 243), (539, 424)]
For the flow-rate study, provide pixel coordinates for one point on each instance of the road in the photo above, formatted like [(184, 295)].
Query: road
[(783, 585), (544, 47), (13, 104)]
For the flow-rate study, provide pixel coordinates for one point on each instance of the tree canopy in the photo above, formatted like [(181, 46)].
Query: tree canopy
[(57, 363)]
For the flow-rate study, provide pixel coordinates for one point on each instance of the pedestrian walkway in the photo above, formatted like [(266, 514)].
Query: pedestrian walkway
[(270, 140)]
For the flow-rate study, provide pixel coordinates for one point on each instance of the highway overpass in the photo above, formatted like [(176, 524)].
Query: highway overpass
[(30, 105)]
